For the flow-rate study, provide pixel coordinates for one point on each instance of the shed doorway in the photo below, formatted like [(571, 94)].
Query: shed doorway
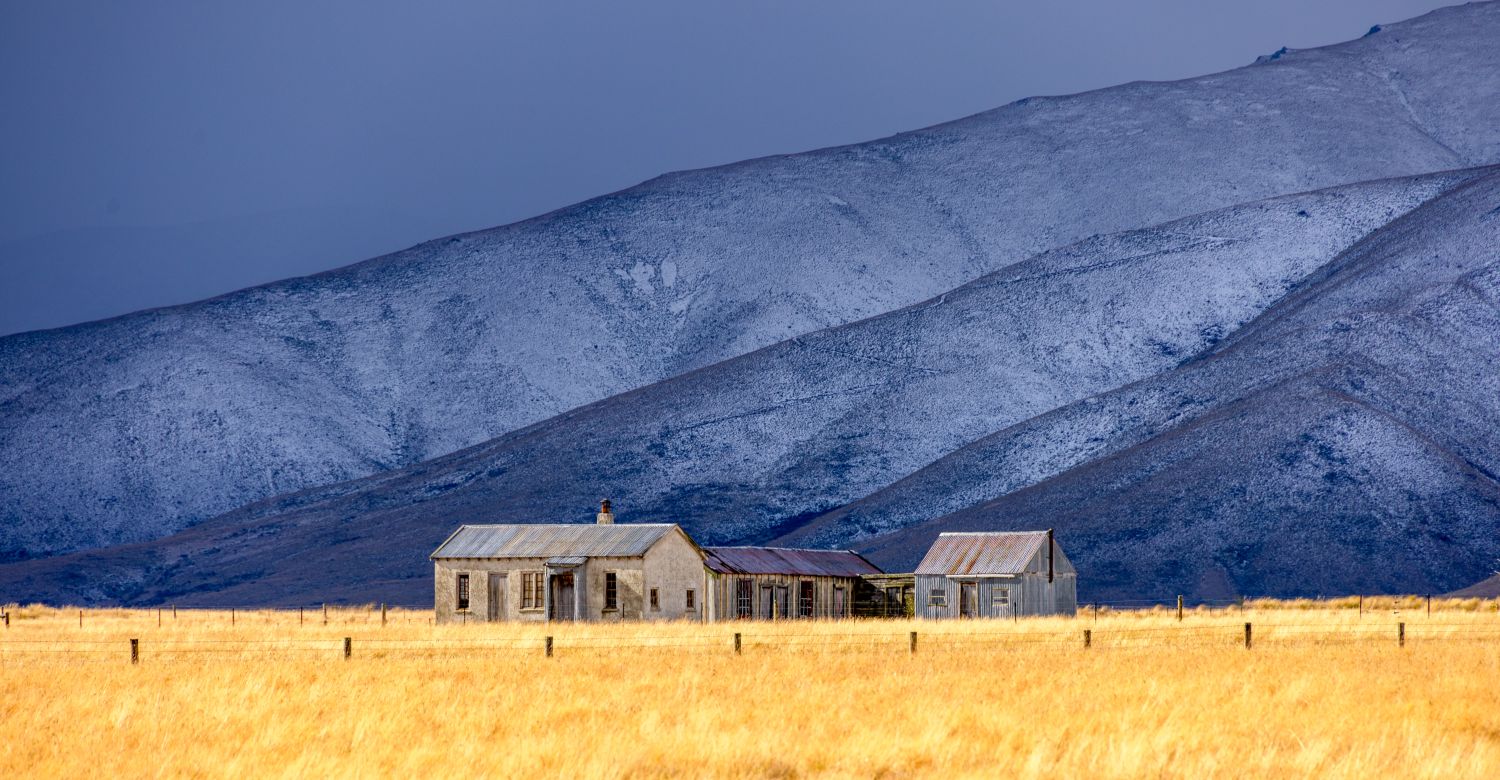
[(562, 596), (968, 599), (497, 591)]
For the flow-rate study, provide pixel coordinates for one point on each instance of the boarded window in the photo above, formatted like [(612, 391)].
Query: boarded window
[(531, 590), (937, 597), (805, 598), (463, 591), (655, 601), (692, 599), (611, 591), (744, 592), (1000, 597)]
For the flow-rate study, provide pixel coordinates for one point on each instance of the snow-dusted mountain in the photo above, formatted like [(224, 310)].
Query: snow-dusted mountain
[(128, 429), (1208, 406), (1347, 440)]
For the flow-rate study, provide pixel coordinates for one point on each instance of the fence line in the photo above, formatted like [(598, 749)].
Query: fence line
[(136, 650)]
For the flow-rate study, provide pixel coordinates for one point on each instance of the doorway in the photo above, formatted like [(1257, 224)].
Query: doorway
[(968, 599), (497, 591), (563, 595)]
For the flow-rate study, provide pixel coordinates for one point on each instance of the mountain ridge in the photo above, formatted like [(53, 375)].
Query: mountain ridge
[(134, 428), (683, 449)]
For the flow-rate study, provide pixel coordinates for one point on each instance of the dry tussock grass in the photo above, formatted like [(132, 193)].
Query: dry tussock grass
[(1325, 692)]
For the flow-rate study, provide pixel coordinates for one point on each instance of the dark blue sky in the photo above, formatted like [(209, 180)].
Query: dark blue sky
[(161, 152)]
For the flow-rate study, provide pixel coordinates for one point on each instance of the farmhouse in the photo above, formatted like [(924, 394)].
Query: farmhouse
[(772, 583), (1002, 574), (655, 571), (601, 572)]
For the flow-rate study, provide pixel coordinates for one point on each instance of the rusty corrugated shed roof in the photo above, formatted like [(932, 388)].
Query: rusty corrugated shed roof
[(779, 560), (552, 541), (1000, 552)]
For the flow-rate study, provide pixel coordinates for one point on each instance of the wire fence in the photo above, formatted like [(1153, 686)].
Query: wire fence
[(1249, 636)]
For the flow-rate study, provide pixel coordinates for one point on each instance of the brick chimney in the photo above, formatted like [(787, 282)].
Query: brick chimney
[(606, 517)]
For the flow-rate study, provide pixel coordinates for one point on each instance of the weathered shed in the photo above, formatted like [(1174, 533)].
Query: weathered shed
[(885, 596), (772, 583), (997, 574), (540, 572)]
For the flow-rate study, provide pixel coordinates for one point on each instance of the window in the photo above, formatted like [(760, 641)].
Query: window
[(937, 597), (655, 602), (744, 591), (611, 591), (531, 589), (1000, 597), (805, 599), (463, 591), (692, 599)]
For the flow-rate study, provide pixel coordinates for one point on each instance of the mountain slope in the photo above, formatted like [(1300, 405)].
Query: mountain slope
[(1348, 440), (132, 428), (734, 450)]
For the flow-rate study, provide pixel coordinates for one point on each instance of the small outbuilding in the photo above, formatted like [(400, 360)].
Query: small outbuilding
[(998, 574), (775, 583)]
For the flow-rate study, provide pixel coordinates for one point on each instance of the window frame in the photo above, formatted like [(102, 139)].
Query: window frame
[(655, 599), (461, 592), (937, 597), (690, 600), (611, 591), (999, 596), (744, 598), (533, 591), (807, 596)]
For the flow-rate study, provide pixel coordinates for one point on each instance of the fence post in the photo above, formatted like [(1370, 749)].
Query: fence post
[(1429, 605), (1361, 606), (1088, 639), (382, 613), (1247, 636), (7, 618), (736, 643), (231, 616), (549, 647), (1401, 635), (325, 613), (299, 616), (348, 647), (1179, 609), (135, 651), (913, 643), (158, 617), (1096, 612), (174, 611)]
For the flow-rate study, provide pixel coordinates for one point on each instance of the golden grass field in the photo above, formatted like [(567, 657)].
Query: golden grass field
[(1325, 691)]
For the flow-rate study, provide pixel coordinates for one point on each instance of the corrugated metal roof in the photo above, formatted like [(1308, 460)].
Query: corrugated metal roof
[(1000, 552), (778, 560), (584, 540)]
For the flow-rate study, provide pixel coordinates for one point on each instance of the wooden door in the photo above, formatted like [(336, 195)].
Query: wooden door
[(563, 596), (968, 599), (498, 582)]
